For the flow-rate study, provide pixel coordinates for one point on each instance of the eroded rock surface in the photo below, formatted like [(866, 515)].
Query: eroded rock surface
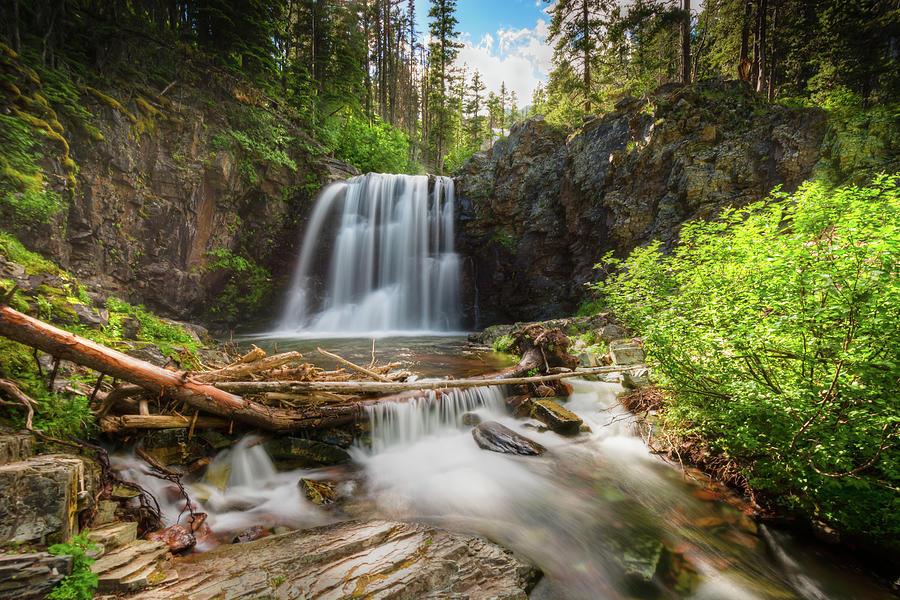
[(355, 559)]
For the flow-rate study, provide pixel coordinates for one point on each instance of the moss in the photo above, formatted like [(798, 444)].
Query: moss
[(10, 88), (147, 109), (35, 264), (109, 101)]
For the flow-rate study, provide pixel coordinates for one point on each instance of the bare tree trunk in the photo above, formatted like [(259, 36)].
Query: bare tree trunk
[(773, 65), (761, 46), (17, 43), (587, 56), (686, 42)]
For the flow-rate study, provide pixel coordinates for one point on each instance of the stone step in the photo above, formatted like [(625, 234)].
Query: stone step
[(32, 575), (114, 535), (16, 446), (39, 498), (131, 567)]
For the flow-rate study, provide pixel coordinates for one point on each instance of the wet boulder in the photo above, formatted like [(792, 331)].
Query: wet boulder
[(176, 537), (557, 418), (495, 437), (254, 532)]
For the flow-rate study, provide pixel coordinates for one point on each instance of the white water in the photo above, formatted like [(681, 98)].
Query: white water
[(391, 267), (575, 512)]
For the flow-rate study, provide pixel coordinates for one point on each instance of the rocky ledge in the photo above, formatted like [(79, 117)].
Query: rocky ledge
[(354, 559)]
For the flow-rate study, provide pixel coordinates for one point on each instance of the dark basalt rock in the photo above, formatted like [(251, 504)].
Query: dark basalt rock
[(495, 437)]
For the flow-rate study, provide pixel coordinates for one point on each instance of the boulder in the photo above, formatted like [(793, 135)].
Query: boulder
[(554, 416), (354, 559), (254, 532), (31, 576), (495, 437), (627, 352), (92, 317), (39, 498), (289, 453)]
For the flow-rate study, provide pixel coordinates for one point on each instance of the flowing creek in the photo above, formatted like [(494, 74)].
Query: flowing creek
[(598, 513)]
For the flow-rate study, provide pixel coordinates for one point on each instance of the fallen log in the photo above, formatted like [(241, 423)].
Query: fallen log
[(119, 423), (379, 387), (355, 367), (62, 344)]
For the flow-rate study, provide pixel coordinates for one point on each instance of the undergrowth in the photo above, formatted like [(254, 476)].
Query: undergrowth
[(81, 583)]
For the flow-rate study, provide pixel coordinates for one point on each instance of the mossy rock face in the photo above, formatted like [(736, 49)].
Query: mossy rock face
[(289, 453), (556, 417)]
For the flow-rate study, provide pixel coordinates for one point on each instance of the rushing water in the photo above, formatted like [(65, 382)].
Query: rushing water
[(382, 245), (594, 513)]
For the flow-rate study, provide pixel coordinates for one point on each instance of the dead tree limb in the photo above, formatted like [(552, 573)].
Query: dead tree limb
[(355, 367)]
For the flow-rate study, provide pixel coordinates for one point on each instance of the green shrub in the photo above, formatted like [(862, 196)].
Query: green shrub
[(247, 284), (376, 147), (777, 327), (80, 585), (503, 344), (24, 196)]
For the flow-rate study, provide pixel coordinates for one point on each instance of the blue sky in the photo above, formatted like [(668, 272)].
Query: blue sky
[(504, 39)]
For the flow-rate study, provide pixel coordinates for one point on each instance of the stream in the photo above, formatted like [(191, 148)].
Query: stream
[(599, 514)]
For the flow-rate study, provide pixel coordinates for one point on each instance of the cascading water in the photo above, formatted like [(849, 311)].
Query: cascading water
[(405, 422), (392, 267)]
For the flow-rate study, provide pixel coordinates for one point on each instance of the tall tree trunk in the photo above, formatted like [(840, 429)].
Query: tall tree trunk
[(773, 65), (761, 36), (744, 60), (686, 42), (587, 55), (17, 43)]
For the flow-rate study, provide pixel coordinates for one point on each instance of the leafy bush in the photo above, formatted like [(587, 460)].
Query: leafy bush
[(503, 344), (259, 136), (376, 147), (80, 585), (777, 329)]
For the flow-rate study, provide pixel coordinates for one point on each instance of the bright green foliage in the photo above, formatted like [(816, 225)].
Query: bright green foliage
[(373, 146), (259, 137), (80, 585), (777, 329), (503, 344), (14, 251)]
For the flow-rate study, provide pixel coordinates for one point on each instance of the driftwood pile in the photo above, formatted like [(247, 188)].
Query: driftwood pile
[(279, 393)]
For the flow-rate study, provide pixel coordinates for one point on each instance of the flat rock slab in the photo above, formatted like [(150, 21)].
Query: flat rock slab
[(32, 575), (356, 559)]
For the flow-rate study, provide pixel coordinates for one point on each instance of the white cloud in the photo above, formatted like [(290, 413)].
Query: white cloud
[(519, 57)]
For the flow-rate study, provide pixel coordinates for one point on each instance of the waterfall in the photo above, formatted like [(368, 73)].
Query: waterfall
[(401, 423), (391, 267)]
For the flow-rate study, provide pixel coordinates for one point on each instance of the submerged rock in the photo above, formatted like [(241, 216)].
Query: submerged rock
[(289, 453), (354, 559), (318, 492), (254, 532), (495, 437), (556, 417)]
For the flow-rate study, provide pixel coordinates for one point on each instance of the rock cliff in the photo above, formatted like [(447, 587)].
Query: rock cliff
[(541, 208), (176, 193)]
